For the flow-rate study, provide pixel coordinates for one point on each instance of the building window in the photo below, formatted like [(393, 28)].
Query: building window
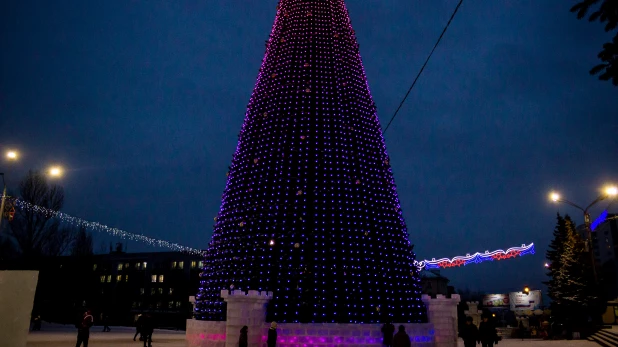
[(102, 278), (170, 304), (120, 266), (160, 290), (171, 291), (161, 278), (153, 278), (181, 265), (193, 264), (152, 291), (94, 267), (109, 278), (144, 265), (159, 304), (118, 278), (126, 266), (134, 304), (126, 278), (141, 291), (174, 264), (138, 266), (200, 264), (178, 303)]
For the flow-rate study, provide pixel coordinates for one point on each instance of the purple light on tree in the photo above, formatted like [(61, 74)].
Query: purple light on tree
[(310, 210)]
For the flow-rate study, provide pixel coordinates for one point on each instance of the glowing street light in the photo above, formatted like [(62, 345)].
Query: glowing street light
[(555, 197), (55, 171), (11, 155), (610, 192), (547, 265)]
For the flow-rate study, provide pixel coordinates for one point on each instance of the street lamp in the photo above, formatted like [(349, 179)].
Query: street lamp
[(55, 171), (609, 192), (12, 156)]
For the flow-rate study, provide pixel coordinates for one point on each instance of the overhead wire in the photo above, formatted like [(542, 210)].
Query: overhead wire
[(423, 67)]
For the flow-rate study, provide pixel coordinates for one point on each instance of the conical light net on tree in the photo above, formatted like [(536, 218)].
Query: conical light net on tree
[(310, 210)]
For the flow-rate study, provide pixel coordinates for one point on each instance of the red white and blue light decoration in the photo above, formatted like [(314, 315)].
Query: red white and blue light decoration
[(476, 258)]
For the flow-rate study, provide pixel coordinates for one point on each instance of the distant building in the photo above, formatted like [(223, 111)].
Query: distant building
[(432, 283), (120, 285), (605, 246)]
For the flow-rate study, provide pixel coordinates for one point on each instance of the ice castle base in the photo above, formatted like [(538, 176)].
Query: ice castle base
[(250, 309)]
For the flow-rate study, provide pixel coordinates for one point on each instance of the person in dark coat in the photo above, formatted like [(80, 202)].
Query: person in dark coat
[(387, 334), (272, 335), (487, 332), (243, 340), (105, 321), (469, 333), (147, 329), (138, 327), (83, 329), (401, 339)]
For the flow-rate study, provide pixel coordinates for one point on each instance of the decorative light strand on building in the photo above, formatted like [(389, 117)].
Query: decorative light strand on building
[(104, 228), (476, 258)]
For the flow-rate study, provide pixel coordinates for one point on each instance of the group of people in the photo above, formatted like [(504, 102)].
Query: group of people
[(243, 340), (486, 333), (400, 339), (144, 327)]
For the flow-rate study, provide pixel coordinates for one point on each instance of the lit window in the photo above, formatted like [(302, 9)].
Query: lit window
[(171, 291), (138, 266), (119, 266), (153, 278), (178, 303), (118, 278), (109, 278), (126, 278), (160, 290), (141, 291), (144, 265), (193, 264), (174, 264), (200, 264), (102, 279), (126, 266), (161, 278), (181, 264), (94, 267), (170, 304), (159, 304)]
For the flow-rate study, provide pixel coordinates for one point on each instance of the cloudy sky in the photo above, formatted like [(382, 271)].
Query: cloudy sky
[(142, 101)]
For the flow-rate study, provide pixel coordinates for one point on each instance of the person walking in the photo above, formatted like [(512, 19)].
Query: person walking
[(487, 332), (83, 329), (272, 335), (401, 339), (243, 340), (105, 319), (138, 327), (147, 329), (469, 333), (388, 330)]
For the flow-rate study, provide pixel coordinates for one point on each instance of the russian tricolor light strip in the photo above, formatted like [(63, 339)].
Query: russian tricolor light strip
[(475, 258)]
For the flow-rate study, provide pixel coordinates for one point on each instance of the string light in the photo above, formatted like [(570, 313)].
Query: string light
[(421, 265), (476, 257), (103, 228)]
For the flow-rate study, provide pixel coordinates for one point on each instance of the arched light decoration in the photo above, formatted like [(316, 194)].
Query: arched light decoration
[(311, 146), (476, 258)]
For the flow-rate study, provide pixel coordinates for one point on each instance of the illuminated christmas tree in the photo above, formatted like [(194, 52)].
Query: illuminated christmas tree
[(310, 210)]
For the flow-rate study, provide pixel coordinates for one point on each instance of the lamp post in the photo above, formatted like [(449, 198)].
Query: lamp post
[(608, 193), (12, 156)]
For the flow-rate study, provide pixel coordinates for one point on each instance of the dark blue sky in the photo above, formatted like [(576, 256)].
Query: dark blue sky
[(142, 102)]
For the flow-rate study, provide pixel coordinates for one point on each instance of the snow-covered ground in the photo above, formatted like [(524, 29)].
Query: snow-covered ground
[(63, 336), (66, 335)]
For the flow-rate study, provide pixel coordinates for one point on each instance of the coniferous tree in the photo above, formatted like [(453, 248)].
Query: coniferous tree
[(556, 248)]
